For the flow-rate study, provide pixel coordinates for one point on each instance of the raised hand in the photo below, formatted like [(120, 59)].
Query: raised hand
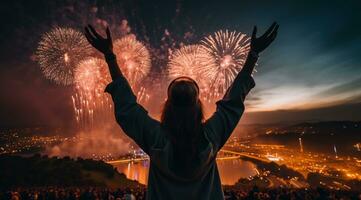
[(261, 43), (104, 45)]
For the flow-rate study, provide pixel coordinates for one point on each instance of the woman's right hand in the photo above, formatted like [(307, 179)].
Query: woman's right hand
[(104, 45)]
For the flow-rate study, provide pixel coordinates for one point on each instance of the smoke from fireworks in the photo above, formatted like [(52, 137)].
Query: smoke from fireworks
[(58, 53), (104, 144), (229, 50), (133, 58)]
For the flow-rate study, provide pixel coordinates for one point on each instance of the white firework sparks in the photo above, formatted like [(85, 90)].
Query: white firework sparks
[(229, 50), (58, 53)]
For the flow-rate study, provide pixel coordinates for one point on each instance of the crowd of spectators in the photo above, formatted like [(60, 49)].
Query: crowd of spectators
[(73, 193), (230, 193), (290, 193)]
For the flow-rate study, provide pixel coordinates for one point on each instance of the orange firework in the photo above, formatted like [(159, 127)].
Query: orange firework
[(91, 105), (191, 61), (133, 58), (92, 74)]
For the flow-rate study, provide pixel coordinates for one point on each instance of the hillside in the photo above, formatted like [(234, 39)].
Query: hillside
[(44, 171)]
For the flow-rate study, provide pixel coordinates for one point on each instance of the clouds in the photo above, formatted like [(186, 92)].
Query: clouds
[(314, 61), (345, 111), (353, 86)]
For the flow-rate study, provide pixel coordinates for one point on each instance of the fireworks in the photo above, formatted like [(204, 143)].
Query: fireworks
[(229, 50), (191, 61), (58, 53), (92, 107), (92, 74), (64, 56), (142, 95), (213, 64), (133, 58)]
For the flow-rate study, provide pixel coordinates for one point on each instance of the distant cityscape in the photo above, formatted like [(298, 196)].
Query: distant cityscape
[(283, 155)]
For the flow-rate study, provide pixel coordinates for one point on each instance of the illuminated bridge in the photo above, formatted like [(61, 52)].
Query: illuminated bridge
[(236, 155)]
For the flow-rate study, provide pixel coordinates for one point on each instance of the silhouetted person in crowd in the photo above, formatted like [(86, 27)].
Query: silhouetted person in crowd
[(182, 146)]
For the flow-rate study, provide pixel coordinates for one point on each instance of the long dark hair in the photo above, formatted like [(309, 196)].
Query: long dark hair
[(182, 117)]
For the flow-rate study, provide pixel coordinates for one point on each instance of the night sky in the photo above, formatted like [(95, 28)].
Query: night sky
[(311, 72)]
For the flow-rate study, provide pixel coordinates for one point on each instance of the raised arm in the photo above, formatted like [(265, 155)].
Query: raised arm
[(105, 46), (132, 117), (230, 109), (258, 45)]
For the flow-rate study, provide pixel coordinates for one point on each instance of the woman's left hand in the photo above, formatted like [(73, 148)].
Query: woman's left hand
[(104, 45), (261, 43)]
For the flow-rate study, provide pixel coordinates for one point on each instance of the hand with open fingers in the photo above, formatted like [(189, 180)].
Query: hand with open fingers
[(104, 45), (261, 43)]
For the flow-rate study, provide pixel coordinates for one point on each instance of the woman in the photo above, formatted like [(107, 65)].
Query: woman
[(182, 147)]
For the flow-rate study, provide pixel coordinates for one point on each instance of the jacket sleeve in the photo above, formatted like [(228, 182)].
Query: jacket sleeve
[(132, 117), (229, 110)]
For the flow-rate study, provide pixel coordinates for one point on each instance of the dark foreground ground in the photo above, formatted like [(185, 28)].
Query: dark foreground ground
[(30, 178), (96, 193)]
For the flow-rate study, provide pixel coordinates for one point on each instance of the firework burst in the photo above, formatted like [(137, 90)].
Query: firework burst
[(133, 58), (58, 53), (92, 107), (229, 50), (91, 74), (191, 61)]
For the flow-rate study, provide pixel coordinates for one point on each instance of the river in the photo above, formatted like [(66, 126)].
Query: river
[(230, 170)]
